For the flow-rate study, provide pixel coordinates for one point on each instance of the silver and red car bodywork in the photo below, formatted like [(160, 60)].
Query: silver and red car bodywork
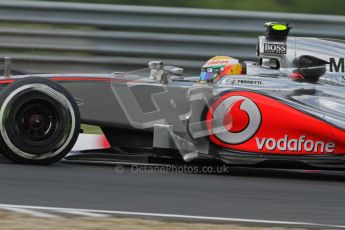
[(287, 107)]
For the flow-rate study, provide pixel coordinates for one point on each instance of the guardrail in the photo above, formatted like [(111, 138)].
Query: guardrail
[(77, 37)]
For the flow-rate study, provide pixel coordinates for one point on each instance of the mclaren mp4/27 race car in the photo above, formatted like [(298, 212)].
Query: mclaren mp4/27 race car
[(289, 106)]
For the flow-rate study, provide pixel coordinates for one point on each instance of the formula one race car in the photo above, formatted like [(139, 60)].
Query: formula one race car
[(289, 106)]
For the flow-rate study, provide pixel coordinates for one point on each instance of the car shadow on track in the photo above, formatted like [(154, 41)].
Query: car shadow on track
[(214, 169), (315, 175)]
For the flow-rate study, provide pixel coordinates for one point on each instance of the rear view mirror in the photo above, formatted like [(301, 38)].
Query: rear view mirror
[(162, 73), (270, 62), (172, 70), (311, 68)]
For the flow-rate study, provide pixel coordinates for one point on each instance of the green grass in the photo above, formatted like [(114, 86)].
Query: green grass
[(91, 129)]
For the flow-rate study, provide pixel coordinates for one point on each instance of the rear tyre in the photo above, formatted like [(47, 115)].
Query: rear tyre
[(39, 121)]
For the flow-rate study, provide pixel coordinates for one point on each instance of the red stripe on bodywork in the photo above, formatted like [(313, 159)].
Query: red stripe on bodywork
[(6, 81)]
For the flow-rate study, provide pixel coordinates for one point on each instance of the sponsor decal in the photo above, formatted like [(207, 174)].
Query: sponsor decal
[(335, 79), (235, 120), (336, 65), (275, 47), (220, 62), (247, 82), (300, 144), (251, 122)]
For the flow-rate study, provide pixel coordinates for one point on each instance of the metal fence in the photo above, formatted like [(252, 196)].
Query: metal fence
[(75, 37)]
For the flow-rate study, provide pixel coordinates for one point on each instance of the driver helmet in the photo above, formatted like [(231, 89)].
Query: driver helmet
[(219, 66)]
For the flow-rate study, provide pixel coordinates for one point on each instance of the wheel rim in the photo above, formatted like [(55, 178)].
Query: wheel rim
[(36, 122)]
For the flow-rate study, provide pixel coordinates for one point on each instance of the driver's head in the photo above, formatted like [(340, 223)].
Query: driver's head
[(219, 66)]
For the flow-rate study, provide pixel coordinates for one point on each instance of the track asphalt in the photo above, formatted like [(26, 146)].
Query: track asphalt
[(308, 196)]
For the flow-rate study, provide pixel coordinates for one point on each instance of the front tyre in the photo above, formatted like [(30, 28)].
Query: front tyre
[(39, 121)]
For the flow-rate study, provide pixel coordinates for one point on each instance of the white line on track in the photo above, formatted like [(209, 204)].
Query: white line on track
[(84, 213), (161, 215), (28, 212)]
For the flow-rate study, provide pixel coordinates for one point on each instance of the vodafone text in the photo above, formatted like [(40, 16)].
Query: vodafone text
[(295, 145)]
